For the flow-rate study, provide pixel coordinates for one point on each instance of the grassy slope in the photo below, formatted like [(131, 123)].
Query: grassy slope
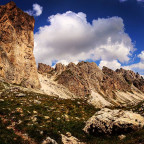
[(40, 116)]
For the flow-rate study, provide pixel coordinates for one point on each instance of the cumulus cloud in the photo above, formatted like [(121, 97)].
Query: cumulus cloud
[(37, 10), (71, 38), (137, 66), (141, 56), (65, 62), (110, 64)]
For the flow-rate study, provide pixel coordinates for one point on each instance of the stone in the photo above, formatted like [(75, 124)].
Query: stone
[(34, 119), (58, 118), (110, 122), (68, 134), (66, 117), (20, 95), (1, 100), (70, 140), (48, 140), (46, 117), (19, 110), (121, 137), (37, 102), (17, 62), (35, 112)]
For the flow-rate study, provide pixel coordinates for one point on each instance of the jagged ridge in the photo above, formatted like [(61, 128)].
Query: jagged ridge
[(101, 87)]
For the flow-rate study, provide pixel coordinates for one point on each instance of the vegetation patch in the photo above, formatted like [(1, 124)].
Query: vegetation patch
[(40, 116)]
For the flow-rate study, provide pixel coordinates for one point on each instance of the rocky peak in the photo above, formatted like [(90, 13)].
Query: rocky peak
[(59, 68), (115, 81), (71, 64), (10, 5), (108, 71), (17, 62), (85, 79), (18, 19), (43, 68), (89, 67), (85, 76), (128, 73), (132, 78)]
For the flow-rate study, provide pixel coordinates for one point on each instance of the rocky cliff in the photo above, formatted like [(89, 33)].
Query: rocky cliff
[(100, 87), (132, 78), (43, 68), (17, 62), (84, 77)]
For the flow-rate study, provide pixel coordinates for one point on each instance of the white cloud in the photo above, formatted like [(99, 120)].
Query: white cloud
[(37, 10), (71, 37), (65, 62), (141, 56), (137, 66), (110, 64)]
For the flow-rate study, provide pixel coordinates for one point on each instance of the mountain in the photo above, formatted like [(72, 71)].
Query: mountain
[(17, 62), (99, 87)]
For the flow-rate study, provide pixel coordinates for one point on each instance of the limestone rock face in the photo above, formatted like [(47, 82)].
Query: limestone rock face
[(17, 62), (132, 78), (109, 122), (115, 81), (59, 68), (85, 79), (43, 68), (101, 88)]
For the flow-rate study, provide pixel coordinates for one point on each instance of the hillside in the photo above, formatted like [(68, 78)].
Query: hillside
[(30, 117)]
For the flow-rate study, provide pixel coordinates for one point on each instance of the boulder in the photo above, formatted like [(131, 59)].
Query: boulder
[(121, 137), (17, 62), (48, 140), (69, 139), (20, 95), (111, 122)]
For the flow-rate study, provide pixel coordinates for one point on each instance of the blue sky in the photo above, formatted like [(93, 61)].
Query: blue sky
[(109, 32)]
